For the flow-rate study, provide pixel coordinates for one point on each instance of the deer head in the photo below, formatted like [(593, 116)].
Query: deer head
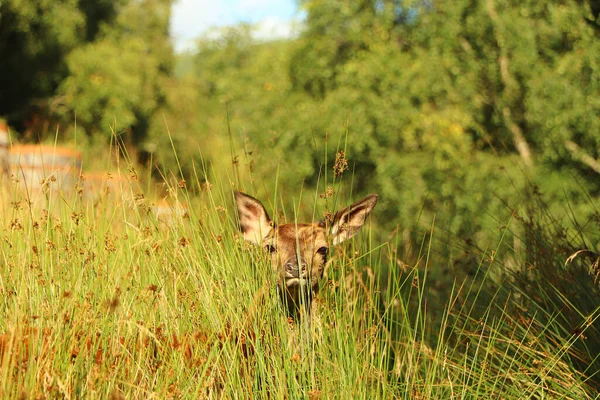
[(299, 252)]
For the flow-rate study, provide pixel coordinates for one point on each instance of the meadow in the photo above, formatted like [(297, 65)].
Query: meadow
[(105, 299), (476, 275)]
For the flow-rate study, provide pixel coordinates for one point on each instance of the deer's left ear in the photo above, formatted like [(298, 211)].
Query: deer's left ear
[(347, 222), (255, 223)]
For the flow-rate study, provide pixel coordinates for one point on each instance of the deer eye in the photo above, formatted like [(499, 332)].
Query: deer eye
[(323, 251), (270, 248)]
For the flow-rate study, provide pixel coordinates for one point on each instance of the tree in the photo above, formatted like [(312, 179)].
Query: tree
[(116, 82), (99, 62), (35, 36)]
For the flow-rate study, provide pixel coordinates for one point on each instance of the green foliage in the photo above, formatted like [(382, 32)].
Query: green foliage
[(110, 86), (435, 104), (101, 63), (462, 115), (33, 45), (115, 83)]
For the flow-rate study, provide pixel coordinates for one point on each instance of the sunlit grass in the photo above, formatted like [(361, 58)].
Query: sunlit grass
[(102, 299)]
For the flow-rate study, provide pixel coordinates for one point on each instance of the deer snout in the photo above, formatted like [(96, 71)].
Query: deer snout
[(295, 270)]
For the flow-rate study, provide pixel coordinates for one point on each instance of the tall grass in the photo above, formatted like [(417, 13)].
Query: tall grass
[(105, 300)]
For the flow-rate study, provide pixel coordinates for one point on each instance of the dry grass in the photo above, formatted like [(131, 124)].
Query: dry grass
[(103, 300)]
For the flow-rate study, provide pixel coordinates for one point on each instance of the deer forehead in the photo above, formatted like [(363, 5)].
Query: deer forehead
[(306, 236)]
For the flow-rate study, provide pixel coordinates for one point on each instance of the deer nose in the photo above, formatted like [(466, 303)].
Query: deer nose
[(293, 269)]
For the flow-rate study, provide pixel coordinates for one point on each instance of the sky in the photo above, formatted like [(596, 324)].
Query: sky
[(191, 19)]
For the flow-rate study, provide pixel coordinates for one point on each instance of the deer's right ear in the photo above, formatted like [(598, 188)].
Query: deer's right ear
[(255, 223)]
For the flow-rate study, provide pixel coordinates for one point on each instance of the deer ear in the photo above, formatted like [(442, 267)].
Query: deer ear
[(255, 223), (347, 222)]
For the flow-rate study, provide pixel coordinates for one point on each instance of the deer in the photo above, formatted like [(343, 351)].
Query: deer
[(299, 251)]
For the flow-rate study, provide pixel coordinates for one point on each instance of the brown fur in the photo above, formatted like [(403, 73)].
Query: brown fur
[(299, 251)]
